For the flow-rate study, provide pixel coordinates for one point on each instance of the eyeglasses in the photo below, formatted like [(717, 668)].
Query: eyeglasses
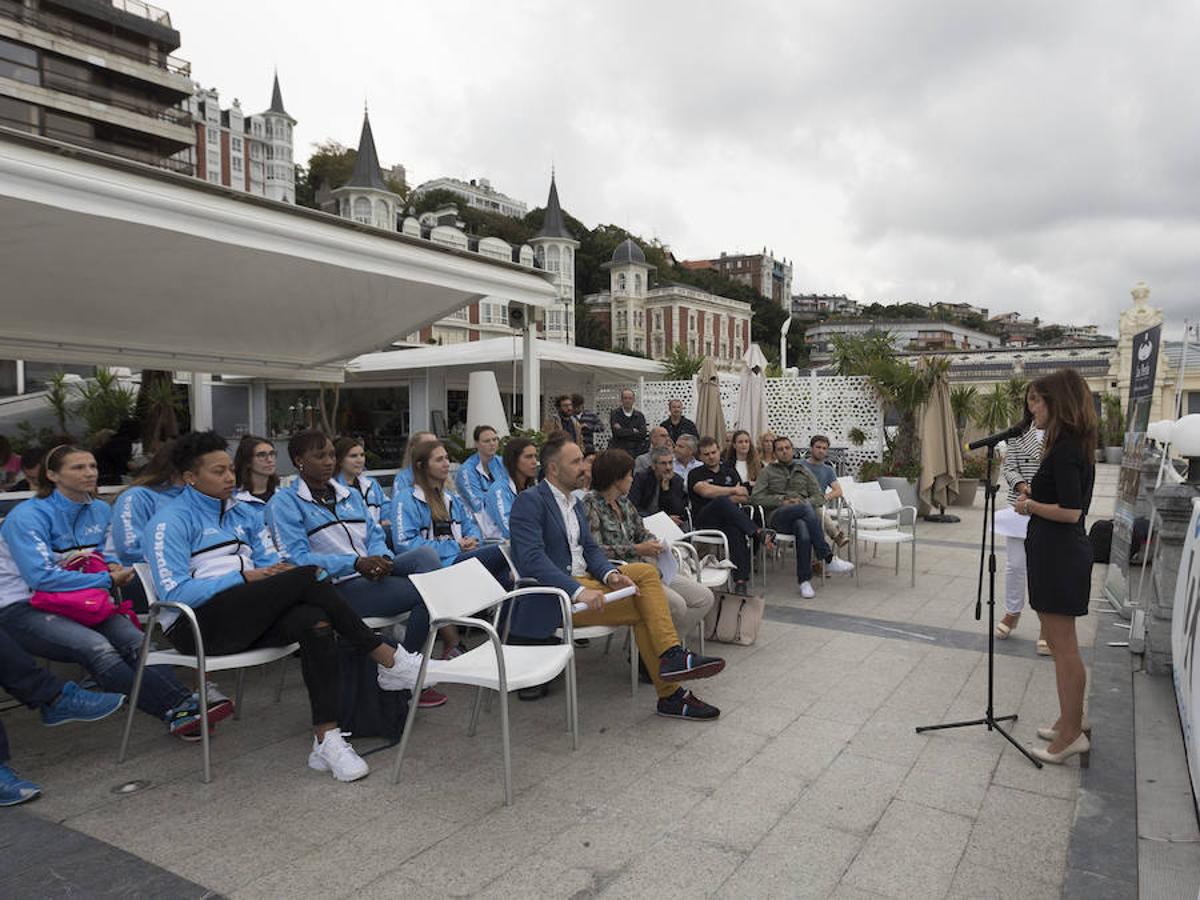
[(266, 454)]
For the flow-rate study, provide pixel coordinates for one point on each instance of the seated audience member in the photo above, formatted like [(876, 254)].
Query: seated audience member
[(585, 482), (521, 468), (766, 447), (553, 544), (429, 517), (30, 460), (59, 702), (743, 458), (404, 478), (716, 491), (790, 494), (564, 420), (590, 422), (818, 450), (685, 456), (482, 471), (205, 552), (677, 423), (37, 541), (618, 529), (659, 489), (351, 460), (659, 438), (255, 464), (154, 486), (318, 521)]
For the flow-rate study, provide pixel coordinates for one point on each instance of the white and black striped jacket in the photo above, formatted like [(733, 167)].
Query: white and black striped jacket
[(1022, 456)]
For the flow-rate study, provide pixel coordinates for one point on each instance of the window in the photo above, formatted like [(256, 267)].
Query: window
[(19, 63), (708, 347), (237, 164), (460, 315), (621, 282), (18, 115), (552, 259), (212, 136), (362, 210), (693, 346), (637, 284), (236, 144), (658, 320), (554, 320), (691, 321), (214, 176)]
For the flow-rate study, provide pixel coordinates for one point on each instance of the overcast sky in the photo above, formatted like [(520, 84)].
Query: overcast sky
[(1034, 156)]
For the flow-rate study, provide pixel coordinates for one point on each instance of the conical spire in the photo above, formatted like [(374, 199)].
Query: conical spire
[(277, 98), (553, 225), (366, 167)]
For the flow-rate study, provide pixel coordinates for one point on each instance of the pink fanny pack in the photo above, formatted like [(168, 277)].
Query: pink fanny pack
[(87, 606)]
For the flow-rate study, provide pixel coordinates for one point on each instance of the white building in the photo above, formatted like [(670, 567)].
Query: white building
[(478, 193), (907, 334), (554, 249), (248, 153)]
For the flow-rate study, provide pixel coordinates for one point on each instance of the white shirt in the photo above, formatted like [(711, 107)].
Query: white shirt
[(682, 471), (566, 506)]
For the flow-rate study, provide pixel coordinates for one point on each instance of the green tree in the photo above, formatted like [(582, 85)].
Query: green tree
[(963, 400), (993, 410), (590, 332)]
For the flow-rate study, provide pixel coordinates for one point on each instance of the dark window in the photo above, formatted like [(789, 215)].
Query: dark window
[(57, 125), (1193, 403), (18, 115), (18, 62)]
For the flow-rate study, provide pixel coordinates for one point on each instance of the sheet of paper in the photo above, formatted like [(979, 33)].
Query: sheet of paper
[(1010, 523), (668, 565), (663, 527)]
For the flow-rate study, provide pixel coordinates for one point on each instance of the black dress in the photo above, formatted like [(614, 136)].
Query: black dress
[(1059, 555)]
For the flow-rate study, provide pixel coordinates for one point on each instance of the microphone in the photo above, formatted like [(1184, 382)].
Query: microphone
[(993, 439)]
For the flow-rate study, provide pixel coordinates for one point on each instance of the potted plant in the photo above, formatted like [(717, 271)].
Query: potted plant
[(973, 472), (1112, 429)]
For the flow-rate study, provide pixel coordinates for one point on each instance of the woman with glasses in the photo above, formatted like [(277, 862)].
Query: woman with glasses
[(255, 464)]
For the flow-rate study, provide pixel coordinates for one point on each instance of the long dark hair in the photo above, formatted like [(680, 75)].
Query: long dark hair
[(753, 463), (53, 462), (1071, 412), (243, 461), (512, 452), (435, 494), (159, 471)]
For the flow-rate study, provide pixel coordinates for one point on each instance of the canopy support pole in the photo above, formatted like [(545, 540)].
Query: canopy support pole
[(531, 375), (200, 402)]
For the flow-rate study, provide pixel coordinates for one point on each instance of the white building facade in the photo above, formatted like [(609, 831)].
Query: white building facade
[(478, 193)]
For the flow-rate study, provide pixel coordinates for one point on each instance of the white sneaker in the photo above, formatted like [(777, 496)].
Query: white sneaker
[(334, 754), (806, 590), (402, 676), (838, 566)]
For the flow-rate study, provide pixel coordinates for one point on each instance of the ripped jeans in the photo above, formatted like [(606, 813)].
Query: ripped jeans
[(109, 652)]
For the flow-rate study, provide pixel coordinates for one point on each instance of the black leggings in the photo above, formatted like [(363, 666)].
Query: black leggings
[(274, 612)]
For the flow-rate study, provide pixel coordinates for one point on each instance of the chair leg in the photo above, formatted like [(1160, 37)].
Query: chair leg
[(239, 693), (204, 729), (633, 664), (701, 630), (912, 581), (282, 677), (409, 722), (143, 653), (508, 792), (475, 707), (573, 700), (897, 559), (607, 644)]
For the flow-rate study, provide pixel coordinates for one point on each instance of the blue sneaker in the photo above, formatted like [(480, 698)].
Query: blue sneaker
[(14, 789), (75, 704)]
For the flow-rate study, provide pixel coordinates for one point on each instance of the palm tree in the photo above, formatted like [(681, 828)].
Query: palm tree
[(681, 365), (993, 411), (963, 400), (1016, 386)]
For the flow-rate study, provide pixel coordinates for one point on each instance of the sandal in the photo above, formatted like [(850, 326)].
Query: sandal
[(1043, 648), (1003, 629)]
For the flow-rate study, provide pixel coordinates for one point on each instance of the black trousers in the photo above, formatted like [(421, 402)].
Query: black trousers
[(274, 612), (727, 517)]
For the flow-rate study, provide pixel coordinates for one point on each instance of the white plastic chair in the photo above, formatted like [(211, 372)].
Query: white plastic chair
[(881, 504), (202, 663), (860, 520), (453, 596)]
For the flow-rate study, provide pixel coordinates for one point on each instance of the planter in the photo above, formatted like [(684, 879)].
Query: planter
[(902, 486), (968, 488), (1113, 455)]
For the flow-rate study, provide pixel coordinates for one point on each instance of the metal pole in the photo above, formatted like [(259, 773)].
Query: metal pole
[(783, 333)]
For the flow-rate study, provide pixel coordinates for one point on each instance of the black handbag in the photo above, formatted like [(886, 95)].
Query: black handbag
[(364, 708)]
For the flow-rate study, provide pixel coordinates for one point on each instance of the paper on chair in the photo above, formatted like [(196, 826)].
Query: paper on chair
[(618, 594), (1010, 523), (663, 527), (668, 565)]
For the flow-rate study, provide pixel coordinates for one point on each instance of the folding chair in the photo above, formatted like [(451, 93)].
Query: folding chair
[(885, 505), (202, 663), (453, 595)]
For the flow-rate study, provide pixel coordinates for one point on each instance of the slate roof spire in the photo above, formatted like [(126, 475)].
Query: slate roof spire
[(553, 226), (277, 98), (367, 173)]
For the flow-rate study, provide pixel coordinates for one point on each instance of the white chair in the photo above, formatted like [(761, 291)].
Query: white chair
[(862, 521), (202, 663), (885, 505), (453, 596)]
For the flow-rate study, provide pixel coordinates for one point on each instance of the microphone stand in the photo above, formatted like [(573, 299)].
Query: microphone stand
[(990, 719)]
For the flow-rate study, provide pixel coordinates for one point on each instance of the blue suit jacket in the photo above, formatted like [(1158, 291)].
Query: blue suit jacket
[(542, 550)]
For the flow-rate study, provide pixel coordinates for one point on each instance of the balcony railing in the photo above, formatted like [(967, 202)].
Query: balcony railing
[(77, 87), (143, 11)]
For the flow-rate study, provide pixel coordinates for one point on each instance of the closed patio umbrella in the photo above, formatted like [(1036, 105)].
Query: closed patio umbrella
[(752, 394), (941, 455), (710, 420)]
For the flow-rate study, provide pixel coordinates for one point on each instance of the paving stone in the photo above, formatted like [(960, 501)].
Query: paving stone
[(798, 858), (739, 812), (974, 882), (950, 777), (852, 793), (676, 867), (1016, 824), (913, 852)]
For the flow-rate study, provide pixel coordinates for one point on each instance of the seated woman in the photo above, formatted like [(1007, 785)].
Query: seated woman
[(404, 478), (254, 465), (429, 516), (37, 539), (154, 486), (766, 447), (351, 456), (618, 529), (207, 553), (318, 521), (482, 471), (743, 457), (521, 468)]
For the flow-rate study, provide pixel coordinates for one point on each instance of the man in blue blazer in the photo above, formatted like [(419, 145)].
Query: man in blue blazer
[(551, 542)]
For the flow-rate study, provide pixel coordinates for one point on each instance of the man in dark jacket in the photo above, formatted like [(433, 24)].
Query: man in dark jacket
[(677, 423), (629, 431), (659, 489)]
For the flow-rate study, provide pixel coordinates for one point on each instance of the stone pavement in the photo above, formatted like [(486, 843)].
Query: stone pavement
[(812, 783)]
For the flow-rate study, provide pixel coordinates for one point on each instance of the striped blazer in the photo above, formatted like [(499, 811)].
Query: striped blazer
[(1022, 457)]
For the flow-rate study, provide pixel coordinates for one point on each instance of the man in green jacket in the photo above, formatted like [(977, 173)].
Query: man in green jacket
[(791, 495)]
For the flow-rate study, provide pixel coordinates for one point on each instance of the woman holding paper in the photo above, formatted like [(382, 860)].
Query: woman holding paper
[(618, 529), (1022, 457)]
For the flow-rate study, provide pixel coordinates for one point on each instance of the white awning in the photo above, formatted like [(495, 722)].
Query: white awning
[(110, 262), (501, 353)]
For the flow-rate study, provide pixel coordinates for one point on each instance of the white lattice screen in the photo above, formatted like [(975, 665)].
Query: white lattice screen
[(840, 404)]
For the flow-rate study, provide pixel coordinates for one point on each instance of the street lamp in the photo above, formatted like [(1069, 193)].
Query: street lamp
[(783, 333)]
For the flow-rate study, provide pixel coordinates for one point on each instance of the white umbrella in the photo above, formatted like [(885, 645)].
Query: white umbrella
[(752, 396)]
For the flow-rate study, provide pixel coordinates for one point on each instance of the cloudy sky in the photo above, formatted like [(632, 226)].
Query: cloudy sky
[(1035, 156)]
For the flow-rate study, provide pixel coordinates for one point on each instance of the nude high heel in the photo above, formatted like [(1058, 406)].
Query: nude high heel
[(1051, 734), (1080, 747), (1003, 630)]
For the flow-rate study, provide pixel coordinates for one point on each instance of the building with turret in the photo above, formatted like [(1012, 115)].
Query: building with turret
[(554, 250), (366, 197)]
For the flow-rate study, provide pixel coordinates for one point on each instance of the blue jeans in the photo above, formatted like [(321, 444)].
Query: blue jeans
[(395, 594), (22, 677), (109, 652), (801, 521)]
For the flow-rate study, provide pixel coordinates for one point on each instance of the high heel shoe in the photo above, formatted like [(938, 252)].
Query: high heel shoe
[(1003, 630), (1043, 648), (1080, 747), (1051, 734)]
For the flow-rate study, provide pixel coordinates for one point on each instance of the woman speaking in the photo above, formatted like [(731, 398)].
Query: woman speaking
[(1057, 550)]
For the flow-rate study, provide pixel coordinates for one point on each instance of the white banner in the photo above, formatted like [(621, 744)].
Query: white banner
[(1185, 642)]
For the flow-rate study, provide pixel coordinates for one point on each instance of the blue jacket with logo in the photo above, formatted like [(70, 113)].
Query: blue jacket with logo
[(133, 508), (499, 502), (368, 488), (198, 546), (412, 524), (310, 534), (41, 533)]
